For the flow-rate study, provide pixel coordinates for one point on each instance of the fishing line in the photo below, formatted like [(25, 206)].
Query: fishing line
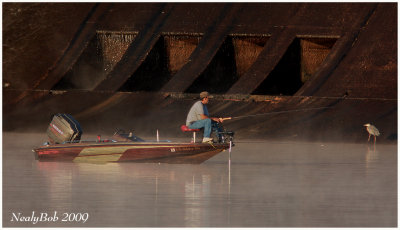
[(286, 111)]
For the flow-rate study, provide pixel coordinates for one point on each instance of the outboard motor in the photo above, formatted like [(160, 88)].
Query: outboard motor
[(64, 128)]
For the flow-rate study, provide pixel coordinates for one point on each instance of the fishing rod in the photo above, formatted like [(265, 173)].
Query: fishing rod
[(277, 112)]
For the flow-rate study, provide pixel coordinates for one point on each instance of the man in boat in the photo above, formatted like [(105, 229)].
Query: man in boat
[(198, 117)]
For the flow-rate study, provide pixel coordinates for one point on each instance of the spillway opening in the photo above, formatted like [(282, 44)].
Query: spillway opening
[(102, 53), (166, 58), (247, 50), (313, 54), (178, 49), (171, 52), (299, 63), (233, 59)]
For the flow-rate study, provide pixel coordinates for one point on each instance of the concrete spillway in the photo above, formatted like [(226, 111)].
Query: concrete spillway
[(139, 66)]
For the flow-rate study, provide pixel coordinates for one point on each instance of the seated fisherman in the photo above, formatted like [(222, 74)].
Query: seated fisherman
[(198, 117)]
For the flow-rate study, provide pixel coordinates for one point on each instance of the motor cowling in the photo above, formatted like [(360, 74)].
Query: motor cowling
[(64, 128)]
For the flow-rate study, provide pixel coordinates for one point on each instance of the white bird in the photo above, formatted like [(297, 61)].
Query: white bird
[(372, 130)]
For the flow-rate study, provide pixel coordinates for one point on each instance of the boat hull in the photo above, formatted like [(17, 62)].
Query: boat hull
[(145, 152)]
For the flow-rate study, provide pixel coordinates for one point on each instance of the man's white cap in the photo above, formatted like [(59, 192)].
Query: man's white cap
[(205, 94)]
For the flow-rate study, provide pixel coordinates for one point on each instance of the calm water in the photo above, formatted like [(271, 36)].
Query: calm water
[(267, 184)]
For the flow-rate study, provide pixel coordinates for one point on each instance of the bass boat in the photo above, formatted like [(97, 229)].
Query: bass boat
[(64, 144)]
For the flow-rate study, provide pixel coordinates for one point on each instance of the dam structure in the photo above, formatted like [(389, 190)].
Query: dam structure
[(141, 66)]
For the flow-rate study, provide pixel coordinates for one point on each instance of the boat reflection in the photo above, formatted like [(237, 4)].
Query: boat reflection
[(148, 187)]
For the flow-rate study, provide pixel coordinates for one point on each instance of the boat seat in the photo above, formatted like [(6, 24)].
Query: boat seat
[(184, 128)]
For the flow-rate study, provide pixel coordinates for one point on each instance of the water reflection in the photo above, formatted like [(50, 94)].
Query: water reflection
[(267, 184), (149, 186), (372, 156), (193, 193), (59, 184)]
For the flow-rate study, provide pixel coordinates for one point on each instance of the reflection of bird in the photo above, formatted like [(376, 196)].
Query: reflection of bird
[(372, 130)]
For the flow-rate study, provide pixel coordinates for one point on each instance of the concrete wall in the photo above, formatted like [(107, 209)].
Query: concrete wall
[(140, 66)]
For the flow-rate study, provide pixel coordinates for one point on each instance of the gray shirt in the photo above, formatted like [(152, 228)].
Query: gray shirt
[(195, 112)]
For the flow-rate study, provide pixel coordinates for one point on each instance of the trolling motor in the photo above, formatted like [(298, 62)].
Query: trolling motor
[(223, 135), (226, 136)]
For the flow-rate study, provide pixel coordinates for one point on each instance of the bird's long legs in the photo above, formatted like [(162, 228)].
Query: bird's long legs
[(369, 136)]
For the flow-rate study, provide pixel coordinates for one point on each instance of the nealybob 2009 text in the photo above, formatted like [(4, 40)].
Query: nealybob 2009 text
[(49, 217)]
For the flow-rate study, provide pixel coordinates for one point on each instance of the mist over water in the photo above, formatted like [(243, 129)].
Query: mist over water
[(267, 184)]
